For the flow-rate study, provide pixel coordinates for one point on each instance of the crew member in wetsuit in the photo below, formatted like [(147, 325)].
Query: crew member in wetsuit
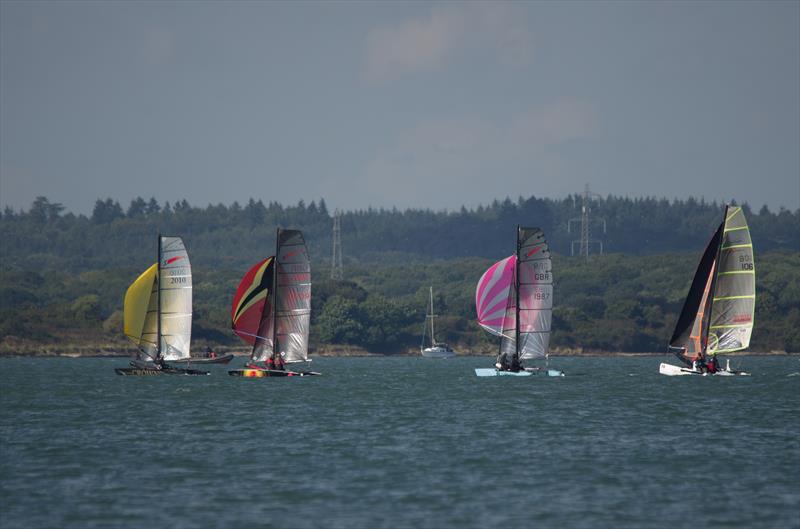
[(502, 363), (698, 363), (713, 364), (516, 366), (280, 365)]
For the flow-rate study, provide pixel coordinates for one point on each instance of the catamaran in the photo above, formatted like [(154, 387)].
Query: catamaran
[(514, 300), (272, 309), (437, 349), (158, 313), (717, 316)]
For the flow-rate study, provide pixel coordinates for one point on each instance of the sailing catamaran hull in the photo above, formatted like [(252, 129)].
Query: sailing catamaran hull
[(262, 373), (136, 371), (217, 360), (492, 372), (676, 371)]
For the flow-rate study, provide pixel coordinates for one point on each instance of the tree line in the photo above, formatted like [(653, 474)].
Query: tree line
[(65, 275), (44, 237)]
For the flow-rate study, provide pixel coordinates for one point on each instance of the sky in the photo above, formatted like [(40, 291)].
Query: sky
[(398, 104)]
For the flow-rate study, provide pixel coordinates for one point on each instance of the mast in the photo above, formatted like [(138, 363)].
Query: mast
[(158, 304), (516, 297), (707, 323), (433, 338), (275, 295)]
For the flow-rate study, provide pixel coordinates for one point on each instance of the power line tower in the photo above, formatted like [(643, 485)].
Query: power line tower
[(337, 272), (586, 241)]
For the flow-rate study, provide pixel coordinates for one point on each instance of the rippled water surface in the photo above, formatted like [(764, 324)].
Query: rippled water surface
[(400, 442)]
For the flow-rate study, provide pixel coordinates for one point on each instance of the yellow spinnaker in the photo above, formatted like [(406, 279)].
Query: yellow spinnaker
[(140, 307)]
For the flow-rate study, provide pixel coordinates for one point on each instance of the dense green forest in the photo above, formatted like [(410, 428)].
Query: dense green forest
[(63, 277), (45, 238)]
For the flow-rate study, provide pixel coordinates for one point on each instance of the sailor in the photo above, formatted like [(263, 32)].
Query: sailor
[(270, 363), (502, 364), (713, 364), (516, 366), (280, 365), (698, 364)]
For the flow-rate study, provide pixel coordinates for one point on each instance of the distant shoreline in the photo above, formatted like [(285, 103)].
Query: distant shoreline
[(76, 348)]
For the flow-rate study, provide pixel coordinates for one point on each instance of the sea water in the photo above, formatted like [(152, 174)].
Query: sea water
[(400, 443)]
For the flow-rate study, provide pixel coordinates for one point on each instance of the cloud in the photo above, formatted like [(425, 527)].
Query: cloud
[(425, 43), (451, 160)]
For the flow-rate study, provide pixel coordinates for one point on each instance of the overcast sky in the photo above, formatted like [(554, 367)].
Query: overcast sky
[(398, 104)]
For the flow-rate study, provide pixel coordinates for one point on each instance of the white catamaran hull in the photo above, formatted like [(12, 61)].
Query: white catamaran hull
[(492, 372), (676, 371)]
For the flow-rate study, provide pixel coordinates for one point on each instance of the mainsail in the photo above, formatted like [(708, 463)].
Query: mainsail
[(717, 316), (140, 313), (292, 296), (734, 301), (175, 299), (514, 297), (272, 306), (535, 293)]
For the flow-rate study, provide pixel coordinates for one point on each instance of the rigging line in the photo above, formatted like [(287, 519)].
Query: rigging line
[(251, 334)]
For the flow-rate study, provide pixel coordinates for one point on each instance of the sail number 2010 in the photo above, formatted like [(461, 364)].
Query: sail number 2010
[(177, 280)]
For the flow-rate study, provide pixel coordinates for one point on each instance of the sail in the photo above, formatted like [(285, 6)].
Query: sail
[(250, 298), (492, 296), (499, 292), (535, 294), (733, 303), (175, 286), (140, 312), (292, 296), (251, 314), (508, 342), (691, 332)]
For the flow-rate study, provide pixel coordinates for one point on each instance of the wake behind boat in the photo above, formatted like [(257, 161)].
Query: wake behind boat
[(514, 300), (272, 310), (437, 349), (717, 316), (157, 313), (527, 372)]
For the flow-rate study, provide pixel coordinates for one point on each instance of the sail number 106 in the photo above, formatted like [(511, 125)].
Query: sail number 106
[(746, 262)]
